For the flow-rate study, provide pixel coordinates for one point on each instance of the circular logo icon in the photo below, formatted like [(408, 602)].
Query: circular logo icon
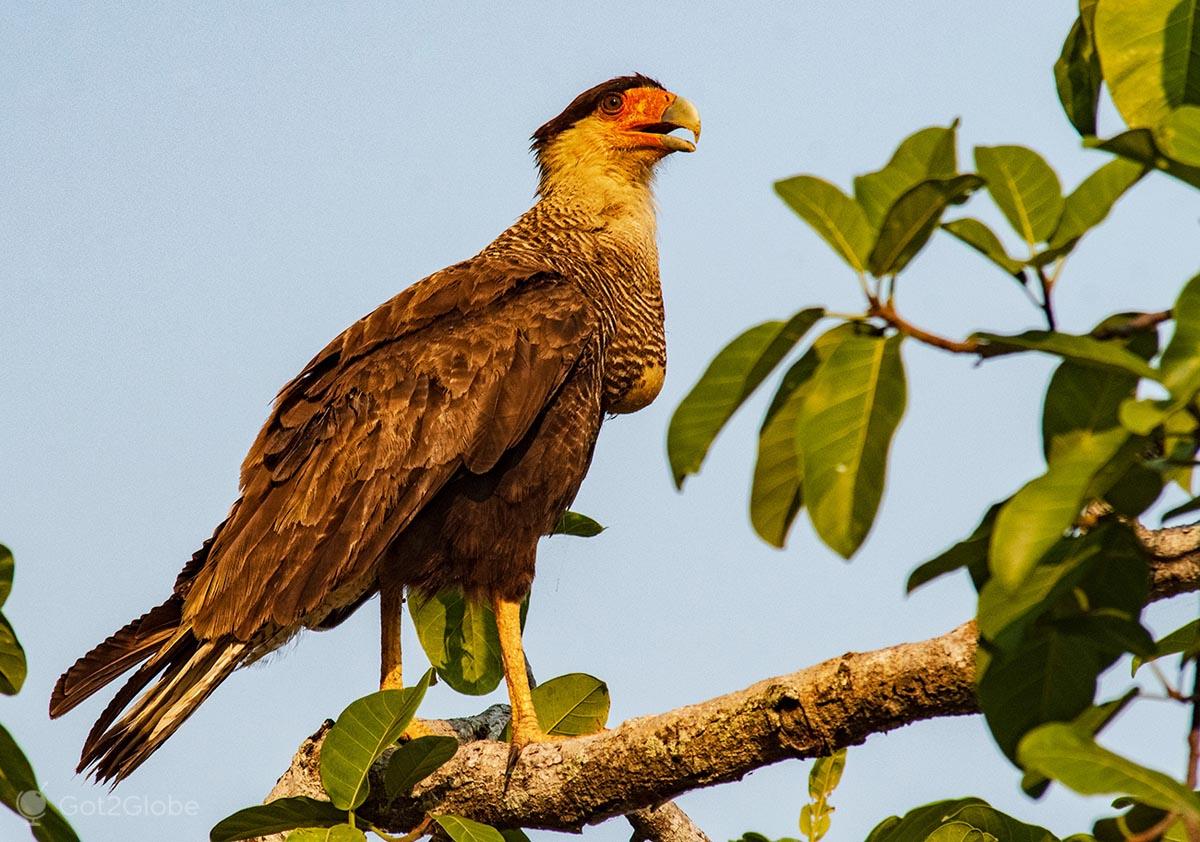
[(32, 804)]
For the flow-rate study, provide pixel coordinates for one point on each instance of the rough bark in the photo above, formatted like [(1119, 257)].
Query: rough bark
[(647, 761)]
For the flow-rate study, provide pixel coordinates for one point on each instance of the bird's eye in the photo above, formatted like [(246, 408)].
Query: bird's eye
[(612, 104)]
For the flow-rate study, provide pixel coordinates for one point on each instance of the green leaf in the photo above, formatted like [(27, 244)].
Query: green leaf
[(971, 553), (826, 774), (275, 817), (337, 833), (1070, 756), (1092, 721), (814, 830), (884, 829), (572, 705), (460, 639), (1139, 145), (1024, 187), (1104, 569), (1148, 49), (730, 379), (1140, 417), (928, 153), (1051, 678), (466, 830), (1187, 508), (855, 403), (956, 831), (1180, 443), (997, 825), (1138, 819), (581, 526), (1180, 362), (13, 668), (1080, 400), (366, 727), (1090, 202), (1179, 134), (838, 219), (1185, 641), (514, 834), (918, 823), (1037, 516), (52, 827), (1109, 633), (6, 573), (981, 238), (19, 792), (415, 761), (777, 491), (1077, 77), (1082, 349), (913, 219), (751, 836), (1004, 613)]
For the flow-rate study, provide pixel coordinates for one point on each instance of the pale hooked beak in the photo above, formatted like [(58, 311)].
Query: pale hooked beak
[(680, 114)]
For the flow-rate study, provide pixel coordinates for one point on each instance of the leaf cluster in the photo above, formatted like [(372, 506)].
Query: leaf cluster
[(1061, 576)]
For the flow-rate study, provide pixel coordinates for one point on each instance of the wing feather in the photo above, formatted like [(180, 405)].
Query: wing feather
[(446, 376)]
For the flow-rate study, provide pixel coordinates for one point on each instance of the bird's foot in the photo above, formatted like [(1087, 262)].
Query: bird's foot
[(522, 738)]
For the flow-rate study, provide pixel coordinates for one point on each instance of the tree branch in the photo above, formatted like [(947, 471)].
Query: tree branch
[(647, 761)]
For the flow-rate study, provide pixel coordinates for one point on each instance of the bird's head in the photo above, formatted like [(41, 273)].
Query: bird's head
[(615, 132)]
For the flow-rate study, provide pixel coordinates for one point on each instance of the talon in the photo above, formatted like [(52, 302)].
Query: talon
[(514, 754)]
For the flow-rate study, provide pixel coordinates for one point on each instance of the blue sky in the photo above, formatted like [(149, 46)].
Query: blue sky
[(195, 200)]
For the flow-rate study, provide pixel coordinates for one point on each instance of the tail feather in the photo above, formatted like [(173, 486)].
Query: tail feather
[(131, 688), (122, 651), (191, 670)]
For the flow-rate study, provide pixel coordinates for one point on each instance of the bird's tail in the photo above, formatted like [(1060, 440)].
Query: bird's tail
[(187, 671), (122, 651)]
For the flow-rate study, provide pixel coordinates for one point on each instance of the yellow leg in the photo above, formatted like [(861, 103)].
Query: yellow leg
[(525, 728), (391, 612)]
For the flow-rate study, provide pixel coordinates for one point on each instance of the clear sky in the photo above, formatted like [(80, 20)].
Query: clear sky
[(193, 200)]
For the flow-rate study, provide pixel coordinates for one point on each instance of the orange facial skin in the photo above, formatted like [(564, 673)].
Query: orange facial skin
[(647, 114)]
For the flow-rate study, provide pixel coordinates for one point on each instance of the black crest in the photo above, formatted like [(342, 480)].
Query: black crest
[(586, 103)]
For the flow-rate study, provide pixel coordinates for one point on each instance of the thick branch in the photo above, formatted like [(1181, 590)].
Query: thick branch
[(647, 761)]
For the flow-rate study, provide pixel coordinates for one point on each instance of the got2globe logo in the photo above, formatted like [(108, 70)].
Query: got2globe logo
[(31, 804)]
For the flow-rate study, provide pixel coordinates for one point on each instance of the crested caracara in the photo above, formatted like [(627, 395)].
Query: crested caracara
[(428, 446)]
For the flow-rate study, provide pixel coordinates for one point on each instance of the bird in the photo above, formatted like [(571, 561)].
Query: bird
[(428, 446)]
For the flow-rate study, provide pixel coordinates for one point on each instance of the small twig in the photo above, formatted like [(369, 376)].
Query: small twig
[(887, 312), (1024, 284), (1047, 304), (1193, 772), (1155, 831), (1173, 693), (1193, 768), (1138, 324), (412, 836), (866, 289)]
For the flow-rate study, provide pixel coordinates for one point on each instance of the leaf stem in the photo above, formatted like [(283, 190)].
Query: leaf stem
[(1047, 303), (412, 836), (1138, 324), (1193, 771), (1155, 831), (866, 289), (1172, 692), (887, 312)]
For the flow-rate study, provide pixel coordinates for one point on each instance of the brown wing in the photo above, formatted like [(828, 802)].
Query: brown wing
[(449, 375)]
